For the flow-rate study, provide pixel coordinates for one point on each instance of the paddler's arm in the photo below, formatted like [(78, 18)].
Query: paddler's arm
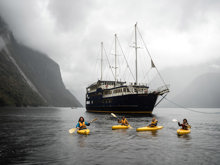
[(151, 124), (88, 124), (187, 125), (119, 121), (126, 123), (77, 125)]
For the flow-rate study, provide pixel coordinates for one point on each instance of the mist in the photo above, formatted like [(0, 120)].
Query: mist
[(179, 34)]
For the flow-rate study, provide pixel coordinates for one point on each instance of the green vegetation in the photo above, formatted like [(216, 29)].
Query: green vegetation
[(41, 71), (14, 91)]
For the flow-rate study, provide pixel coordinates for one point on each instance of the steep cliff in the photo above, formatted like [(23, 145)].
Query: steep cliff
[(28, 77)]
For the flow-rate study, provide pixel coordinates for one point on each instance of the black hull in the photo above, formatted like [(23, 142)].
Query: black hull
[(134, 103)]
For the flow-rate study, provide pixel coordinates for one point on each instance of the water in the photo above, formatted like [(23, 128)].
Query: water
[(40, 136)]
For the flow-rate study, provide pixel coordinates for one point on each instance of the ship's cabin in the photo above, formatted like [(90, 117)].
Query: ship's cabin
[(125, 90), (104, 85), (112, 88)]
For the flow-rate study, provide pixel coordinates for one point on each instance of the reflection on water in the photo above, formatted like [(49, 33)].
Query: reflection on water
[(121, 131), (187, 136), (154, 133), (147, 134), (82, 140), (40, 136)]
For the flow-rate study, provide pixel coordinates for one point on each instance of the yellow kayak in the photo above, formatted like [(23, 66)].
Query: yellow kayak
[(183, 131), (83, 131), (149, 128), (120, 127)]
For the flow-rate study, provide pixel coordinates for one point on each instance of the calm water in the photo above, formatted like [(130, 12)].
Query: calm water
[(40, 136)]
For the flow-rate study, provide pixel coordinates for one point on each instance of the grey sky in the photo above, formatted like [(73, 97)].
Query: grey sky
[(177, 32)]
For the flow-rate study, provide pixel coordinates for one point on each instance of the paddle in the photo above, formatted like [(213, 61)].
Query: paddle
[(175, 120), (114, 115), (74, 129), (117, 118), (93, 120)]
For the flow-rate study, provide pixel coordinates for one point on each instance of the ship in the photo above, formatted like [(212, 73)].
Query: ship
[(114, 96)]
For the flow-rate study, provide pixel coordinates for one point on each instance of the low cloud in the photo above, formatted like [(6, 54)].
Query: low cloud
[(177, 33)]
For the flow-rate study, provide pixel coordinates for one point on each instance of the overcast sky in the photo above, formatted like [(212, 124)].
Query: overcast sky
[(177, 32)]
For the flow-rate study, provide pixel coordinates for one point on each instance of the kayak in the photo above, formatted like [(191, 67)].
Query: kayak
[(83, 131), (120, 127), (183, 131), (149, 128)]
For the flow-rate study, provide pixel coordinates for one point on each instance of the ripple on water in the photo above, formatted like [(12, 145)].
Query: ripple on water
[(40, 136)]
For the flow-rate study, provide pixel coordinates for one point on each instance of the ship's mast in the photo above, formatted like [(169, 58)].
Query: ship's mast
[(101, 60), (136, 60), (115, 59)]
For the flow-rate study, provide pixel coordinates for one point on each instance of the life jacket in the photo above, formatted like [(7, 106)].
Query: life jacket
[(154, 123), (186, 126), (124, 122), (82, 125)]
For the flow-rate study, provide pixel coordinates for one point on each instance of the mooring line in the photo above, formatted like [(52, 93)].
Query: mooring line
[(190, 109)]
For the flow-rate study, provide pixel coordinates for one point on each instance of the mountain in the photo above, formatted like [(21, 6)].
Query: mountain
[(14, 91), (28, 77), (193, 86), (203, 92)]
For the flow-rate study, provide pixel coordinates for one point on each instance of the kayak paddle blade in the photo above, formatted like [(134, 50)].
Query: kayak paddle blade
[(114, 115), (174, 120), (72, 130), (93, 120)]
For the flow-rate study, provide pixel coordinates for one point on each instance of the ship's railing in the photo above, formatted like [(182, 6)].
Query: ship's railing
[(131, 89), (91, 90), (134, 84), (163, 89), (94, 86), (125, 91), (107, 86), (116, 94)]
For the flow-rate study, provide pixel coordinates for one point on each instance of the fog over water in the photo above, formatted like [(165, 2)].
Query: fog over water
[(178, 34)]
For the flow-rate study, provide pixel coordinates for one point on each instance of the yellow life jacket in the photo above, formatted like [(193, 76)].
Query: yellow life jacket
[(82, 125), (124, 122), (154, 122)]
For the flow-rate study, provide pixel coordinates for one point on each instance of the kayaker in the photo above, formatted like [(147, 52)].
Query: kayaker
[(185, 124), (123, 121), (153, 122), (82, 124)]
